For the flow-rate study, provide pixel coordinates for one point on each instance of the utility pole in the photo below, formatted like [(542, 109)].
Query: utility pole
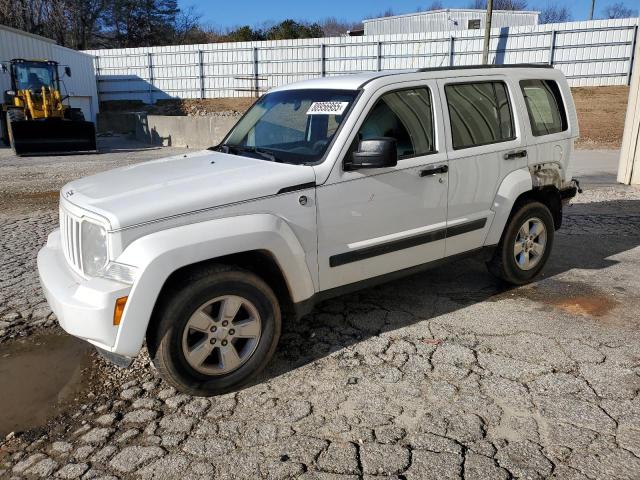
[(593, 6), (487, 33)]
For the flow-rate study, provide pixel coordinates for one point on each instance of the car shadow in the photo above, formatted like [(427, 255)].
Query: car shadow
[(591, 235)]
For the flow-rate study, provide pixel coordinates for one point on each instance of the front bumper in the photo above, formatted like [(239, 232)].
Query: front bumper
[(84, 307)]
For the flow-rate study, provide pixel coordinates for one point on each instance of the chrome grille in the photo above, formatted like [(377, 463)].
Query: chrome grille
[(70, 235)]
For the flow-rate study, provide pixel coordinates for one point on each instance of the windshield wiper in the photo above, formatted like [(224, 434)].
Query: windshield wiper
[(226, 148)]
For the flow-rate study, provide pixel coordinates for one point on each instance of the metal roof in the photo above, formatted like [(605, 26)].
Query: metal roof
[(452, 10)]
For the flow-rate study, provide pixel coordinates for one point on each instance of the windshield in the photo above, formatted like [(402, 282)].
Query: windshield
[(291, 126), (33, 76)]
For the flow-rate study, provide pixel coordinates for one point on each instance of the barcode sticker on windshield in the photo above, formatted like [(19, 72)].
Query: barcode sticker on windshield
[(327, 108)]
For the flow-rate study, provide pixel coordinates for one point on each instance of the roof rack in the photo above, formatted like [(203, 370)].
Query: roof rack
[(476, 67)]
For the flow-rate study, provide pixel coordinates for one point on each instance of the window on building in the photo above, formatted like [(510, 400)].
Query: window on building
[(474, 24)]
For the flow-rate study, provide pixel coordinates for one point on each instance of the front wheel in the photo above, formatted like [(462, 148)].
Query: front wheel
[(215, 332), (525, 245)]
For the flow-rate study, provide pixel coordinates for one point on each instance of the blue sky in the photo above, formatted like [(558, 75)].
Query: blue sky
[(225, 13)]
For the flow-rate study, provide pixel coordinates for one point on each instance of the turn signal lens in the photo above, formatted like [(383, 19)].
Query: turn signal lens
[(117, 312)]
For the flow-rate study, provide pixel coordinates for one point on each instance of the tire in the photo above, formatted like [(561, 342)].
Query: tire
[(76, 115), (4, 133), (178, 343), (521, 268)]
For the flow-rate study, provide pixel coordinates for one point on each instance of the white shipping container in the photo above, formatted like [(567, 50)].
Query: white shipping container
[(450, 19)]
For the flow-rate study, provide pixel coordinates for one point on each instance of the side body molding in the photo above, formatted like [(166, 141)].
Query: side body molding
[(160, 254), (515, 184)]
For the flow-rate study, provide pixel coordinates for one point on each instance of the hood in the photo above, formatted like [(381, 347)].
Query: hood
[(181, 184)]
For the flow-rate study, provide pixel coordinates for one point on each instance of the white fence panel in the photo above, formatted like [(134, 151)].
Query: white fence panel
[(596, 52)]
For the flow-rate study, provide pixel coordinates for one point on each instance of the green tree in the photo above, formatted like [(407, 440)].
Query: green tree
[(292, 29)]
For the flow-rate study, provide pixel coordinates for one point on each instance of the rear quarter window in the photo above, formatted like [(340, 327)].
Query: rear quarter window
[(545, 107)]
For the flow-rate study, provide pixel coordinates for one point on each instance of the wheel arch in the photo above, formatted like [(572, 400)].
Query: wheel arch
[(261, 263), (519, 187), (263, 244)]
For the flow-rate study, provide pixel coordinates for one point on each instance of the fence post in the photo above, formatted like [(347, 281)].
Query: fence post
[(379, 56), (552, 47), (632, 57), (451, 44), (150, 65), (201, 73), (255, 72), (323, 60)]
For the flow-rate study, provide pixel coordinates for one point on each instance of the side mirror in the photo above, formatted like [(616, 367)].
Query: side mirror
[(378, 152), (67, 71)]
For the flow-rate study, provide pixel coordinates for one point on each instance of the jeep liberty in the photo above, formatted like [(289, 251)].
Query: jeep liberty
[(322, 187)]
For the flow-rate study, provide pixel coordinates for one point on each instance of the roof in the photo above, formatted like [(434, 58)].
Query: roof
[(358, 80), (453, 10), (27, 34)]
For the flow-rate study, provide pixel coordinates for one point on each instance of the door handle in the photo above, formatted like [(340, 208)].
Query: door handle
[(434, 170), (518, 154)]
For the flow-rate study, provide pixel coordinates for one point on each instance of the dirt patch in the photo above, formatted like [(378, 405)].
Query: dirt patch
[(39, 376), (571, 297), (601, 114), (177, 107)]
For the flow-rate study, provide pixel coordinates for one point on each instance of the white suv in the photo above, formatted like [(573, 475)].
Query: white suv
[(322, 187)]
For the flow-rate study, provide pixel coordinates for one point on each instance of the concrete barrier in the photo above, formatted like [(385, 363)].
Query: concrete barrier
[(118, 122), (173, 131)]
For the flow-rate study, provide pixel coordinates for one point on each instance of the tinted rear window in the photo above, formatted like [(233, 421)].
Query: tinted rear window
[(544, 104)]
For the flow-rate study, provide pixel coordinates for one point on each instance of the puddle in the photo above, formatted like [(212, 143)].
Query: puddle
[(38, 376), (574, 298)]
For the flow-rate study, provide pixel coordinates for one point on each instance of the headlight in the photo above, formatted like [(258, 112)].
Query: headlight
[(94, 248)]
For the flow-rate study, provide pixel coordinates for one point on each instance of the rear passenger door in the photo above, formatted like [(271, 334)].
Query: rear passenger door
[(484, 145)]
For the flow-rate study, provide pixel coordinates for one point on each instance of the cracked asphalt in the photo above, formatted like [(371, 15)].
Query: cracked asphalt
[(446, 375)]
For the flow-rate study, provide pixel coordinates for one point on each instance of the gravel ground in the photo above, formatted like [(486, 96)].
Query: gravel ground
[(447, 374)]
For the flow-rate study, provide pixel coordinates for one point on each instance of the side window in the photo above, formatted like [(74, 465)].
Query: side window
[(405, 115), (544, 104), (480, 113)]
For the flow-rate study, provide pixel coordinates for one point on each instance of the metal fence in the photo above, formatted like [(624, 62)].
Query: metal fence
[(589, 53)]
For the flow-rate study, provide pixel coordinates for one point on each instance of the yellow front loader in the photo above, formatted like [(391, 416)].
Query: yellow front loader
[(34, 119)]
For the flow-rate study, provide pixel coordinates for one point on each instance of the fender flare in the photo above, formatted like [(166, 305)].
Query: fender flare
[(513, 185), (158, 255)]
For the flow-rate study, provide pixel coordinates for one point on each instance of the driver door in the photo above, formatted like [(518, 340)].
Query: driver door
[(373, 222)]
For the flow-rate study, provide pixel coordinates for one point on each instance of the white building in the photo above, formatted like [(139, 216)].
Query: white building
[(447, 20), (81, 86)]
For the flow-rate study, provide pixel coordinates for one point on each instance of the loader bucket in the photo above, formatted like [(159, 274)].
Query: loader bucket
[(40, 137)]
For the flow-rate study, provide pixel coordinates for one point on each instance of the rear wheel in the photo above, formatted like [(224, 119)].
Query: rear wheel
[(525, 245), (215, 332)]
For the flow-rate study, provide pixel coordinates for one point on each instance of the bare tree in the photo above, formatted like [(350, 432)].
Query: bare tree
[(83, 22), (435, 5), (555, 14), (333, 27), (619, 10)]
